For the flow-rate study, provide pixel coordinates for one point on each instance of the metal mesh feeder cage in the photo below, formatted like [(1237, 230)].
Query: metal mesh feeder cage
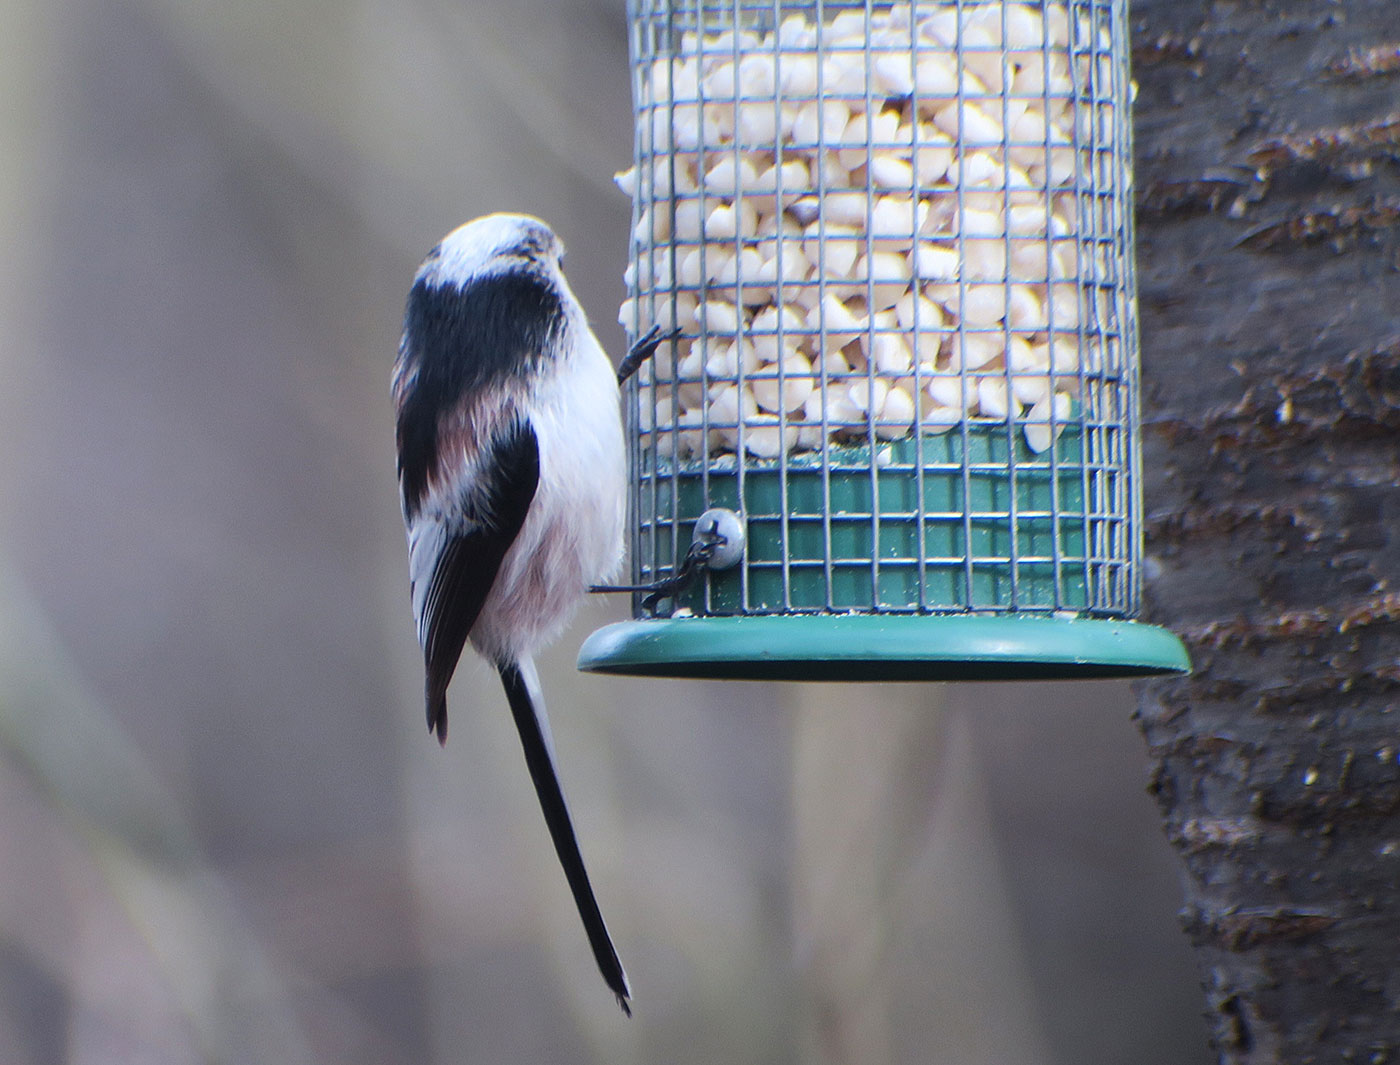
[(895, 244)]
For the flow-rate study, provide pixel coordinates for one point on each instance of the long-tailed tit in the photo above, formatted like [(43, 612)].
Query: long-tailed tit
[(512, 480)]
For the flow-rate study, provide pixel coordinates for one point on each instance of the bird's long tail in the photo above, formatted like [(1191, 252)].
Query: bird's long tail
[(527, 706)]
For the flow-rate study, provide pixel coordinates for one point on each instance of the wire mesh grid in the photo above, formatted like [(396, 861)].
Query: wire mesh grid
[(896, 239)]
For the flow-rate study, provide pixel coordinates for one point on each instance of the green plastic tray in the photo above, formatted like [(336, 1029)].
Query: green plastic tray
[(869, 647)]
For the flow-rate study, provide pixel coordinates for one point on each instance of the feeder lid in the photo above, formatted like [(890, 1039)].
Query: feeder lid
[(872, 647)]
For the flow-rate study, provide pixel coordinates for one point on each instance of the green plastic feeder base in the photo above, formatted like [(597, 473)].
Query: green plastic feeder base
[(870, 647)]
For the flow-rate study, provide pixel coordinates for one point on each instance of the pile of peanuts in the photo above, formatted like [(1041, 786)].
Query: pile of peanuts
[(873, 224)]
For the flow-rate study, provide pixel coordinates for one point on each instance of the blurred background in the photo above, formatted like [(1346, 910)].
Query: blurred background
[(225, 834)]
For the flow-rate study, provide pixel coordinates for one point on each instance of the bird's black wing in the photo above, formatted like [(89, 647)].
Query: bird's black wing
[(468, 554)]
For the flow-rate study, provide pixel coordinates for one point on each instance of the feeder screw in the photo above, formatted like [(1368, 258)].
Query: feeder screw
[(722, 531)]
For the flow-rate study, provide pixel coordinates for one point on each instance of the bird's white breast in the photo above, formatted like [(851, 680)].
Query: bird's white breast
[(573, 534)]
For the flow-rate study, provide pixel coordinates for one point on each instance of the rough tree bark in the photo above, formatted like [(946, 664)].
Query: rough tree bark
[(1268, 170)]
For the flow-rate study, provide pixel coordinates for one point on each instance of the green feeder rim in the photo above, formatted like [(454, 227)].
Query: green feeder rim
[(873, 647)]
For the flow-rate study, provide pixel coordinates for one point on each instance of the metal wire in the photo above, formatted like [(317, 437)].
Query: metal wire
[(1017, 287)]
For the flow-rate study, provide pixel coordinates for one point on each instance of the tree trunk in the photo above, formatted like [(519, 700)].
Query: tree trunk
[(1268, 172)]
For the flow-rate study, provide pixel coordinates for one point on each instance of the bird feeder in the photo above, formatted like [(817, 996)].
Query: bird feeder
[(895, 243)]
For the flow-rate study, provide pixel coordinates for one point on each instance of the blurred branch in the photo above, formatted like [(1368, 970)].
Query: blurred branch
[(210, 960), (512, 76), (904, 933), (844, 772), (404, 99)]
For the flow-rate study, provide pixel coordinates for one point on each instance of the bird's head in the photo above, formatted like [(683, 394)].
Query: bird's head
[(492, 244)]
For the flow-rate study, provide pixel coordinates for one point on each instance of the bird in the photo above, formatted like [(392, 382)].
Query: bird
[(512, 482)]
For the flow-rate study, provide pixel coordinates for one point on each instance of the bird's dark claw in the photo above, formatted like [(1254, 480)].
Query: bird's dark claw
[(643, 349), (702, 549)]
